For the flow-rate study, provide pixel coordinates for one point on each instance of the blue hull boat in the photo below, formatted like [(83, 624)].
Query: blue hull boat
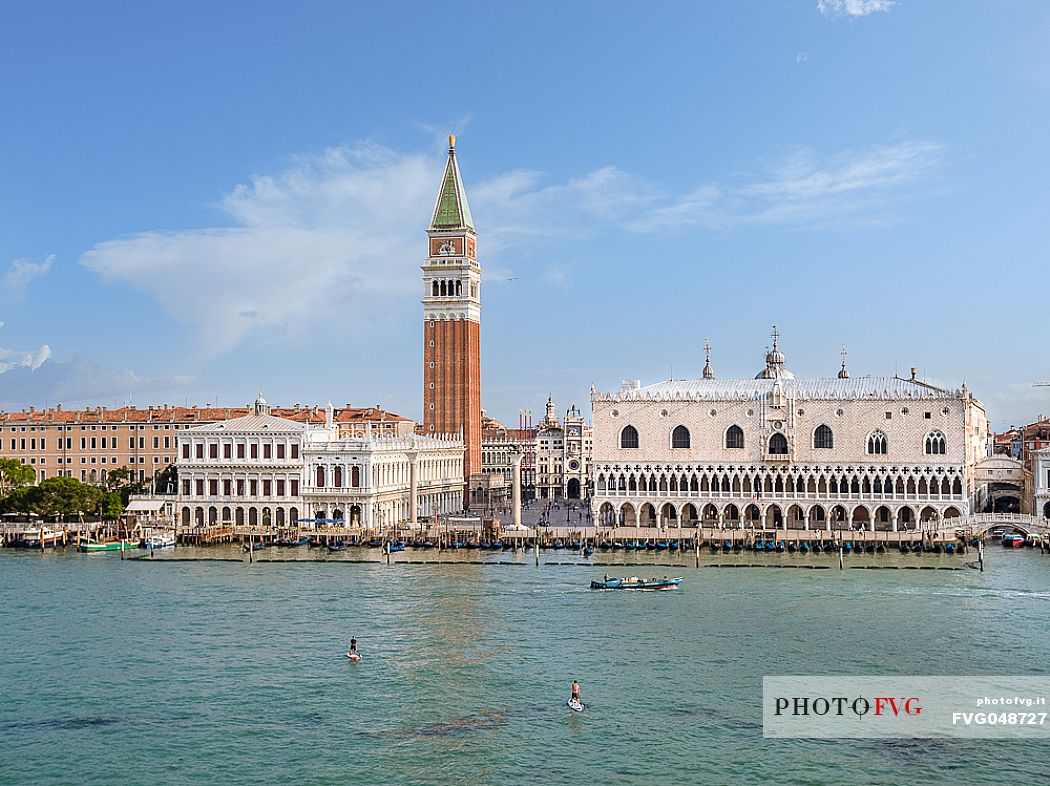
[(635, 583)]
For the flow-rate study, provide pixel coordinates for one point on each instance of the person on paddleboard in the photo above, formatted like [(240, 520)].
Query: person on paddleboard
[(575, 697), (353, 645)]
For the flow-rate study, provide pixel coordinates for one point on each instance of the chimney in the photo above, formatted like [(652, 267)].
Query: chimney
[(32, 408), (914, 371), (58, 408)]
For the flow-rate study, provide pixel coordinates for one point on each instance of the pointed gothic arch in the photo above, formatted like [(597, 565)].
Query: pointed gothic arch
[(936, 444)]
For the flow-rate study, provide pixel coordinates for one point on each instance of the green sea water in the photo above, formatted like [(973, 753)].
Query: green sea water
[(224, 672)]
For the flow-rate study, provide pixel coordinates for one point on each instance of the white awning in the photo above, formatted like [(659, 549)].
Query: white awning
[(144, 506)]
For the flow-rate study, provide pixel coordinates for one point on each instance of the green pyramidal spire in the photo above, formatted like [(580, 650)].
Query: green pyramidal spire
[(452, 210)]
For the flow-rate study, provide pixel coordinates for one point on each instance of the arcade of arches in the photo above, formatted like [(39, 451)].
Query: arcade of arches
[(891, 498)]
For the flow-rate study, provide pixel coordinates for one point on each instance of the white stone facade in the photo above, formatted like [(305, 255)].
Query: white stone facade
[(247, 471), (870, 452), (265, 471), (1041, 478), (368, 482)]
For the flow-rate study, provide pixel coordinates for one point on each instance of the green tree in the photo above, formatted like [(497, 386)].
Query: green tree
[(167, 478), (23, 501), (112, 505), (122, 481), (68, 497), (14, 475)]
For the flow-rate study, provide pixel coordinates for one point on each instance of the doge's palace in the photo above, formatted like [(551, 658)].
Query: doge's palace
[(779, 452)]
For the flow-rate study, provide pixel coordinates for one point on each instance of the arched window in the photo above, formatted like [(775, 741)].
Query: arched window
[(680, 437), (338, 480), (629, 437), (459, 287), (435, 289), (877, 443), (735, 437), (823, 438), (320, 477), (778, 445), (355, 476), (443, 290), (935, 443)]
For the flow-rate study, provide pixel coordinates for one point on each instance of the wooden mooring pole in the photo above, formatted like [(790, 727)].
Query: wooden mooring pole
[(980, 554)]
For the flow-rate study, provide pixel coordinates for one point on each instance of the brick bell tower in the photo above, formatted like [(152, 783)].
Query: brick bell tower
[(452, 319)]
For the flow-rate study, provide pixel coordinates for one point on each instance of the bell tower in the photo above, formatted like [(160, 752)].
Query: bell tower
[(452, 319)]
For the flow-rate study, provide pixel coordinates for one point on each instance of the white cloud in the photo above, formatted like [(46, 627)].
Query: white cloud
[(35, 377), (803, 190), (22, 273), (13, 358), (556, 278), (853, 8), (334, 242), (325, 238)]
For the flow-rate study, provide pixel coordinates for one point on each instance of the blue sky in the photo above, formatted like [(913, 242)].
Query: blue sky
[(199, 198)]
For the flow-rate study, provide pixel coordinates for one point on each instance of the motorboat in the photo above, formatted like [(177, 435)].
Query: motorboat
[(161, 540), (633, 582)]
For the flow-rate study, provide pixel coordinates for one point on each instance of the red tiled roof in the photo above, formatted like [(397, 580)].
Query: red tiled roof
[(166, 414)]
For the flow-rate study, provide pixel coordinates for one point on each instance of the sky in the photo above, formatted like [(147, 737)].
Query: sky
[(201, 199)]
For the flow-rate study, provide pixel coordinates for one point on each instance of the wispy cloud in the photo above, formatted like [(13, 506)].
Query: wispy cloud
[(22, 273), (326, 237), (854, 8), (337, 237), (556, 278), (804, 190)]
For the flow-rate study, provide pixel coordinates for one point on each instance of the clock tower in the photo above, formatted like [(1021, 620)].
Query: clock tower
[(452, 319)]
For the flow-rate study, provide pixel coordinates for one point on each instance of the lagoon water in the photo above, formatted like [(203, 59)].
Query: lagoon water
[(212, 672)]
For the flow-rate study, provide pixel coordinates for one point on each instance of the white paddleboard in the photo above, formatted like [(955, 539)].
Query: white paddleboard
[(575, 706), (353, 656)]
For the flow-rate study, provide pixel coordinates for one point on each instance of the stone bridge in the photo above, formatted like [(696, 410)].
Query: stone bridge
[(983, 523)]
